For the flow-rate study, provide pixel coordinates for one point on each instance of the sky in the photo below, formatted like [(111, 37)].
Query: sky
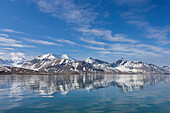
[(103, 29)]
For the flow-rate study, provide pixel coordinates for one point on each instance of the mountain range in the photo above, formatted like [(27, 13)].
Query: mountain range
[(58, 64)]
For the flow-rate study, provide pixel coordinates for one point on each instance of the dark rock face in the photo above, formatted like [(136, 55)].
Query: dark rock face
[(16, 70)]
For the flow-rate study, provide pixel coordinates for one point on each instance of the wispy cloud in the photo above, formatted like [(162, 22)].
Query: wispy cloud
[(42, 42), (67, 10), (4, 35), (95, 48), (12, 42), (3, 39), (15, 45), (64, 41), (154, 48), (138, 49), (124, 53), (92, 41), (107, 35), (104, 52), (120, 38), (10, 31), (152, 32), (131, 50), (131, 2), (136, 15), (7, 48), (2, 50), (2, 53)]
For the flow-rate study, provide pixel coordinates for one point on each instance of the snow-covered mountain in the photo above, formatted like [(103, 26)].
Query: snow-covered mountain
[(101, 65), (51, 63), (39, 61), (16, 62), (126, 66), (166, 68), (4, 62), (57, 64)]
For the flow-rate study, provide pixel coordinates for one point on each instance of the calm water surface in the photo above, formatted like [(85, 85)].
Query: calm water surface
[(84, 93)]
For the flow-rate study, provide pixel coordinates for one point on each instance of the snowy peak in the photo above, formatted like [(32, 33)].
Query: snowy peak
[(90, 60), (18, 62), (136, 67), (123, 61), (47, 56), (64, 56), (100, 65), (48, 60), (52, 56)]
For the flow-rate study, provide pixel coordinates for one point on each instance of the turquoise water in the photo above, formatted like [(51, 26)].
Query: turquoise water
[(85, 93)]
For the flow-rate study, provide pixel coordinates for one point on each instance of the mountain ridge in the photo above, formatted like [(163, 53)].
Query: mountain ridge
[(51, 63)]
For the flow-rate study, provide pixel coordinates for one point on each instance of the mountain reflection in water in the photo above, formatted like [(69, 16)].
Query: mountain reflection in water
[(47, 85)]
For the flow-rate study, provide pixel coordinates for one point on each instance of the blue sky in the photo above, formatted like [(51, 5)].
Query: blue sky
[(103, 29)]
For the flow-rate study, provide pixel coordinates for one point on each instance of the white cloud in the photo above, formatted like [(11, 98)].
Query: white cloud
[(95, 48), (7, 48), (12, 42), (15, 45), (106, 34), (95, 32), (138, 49), (120, 38), (152, 32), (64, 41), (67, 10), (10, 31), (131, 2), (4, 35), (2, 50), (2, 53), (42, 42), (12, 55), (17, 55), (124, 53), (104, 52), (136, 15), (92, 41), (123, 47), (9, 40), (153, 48)]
